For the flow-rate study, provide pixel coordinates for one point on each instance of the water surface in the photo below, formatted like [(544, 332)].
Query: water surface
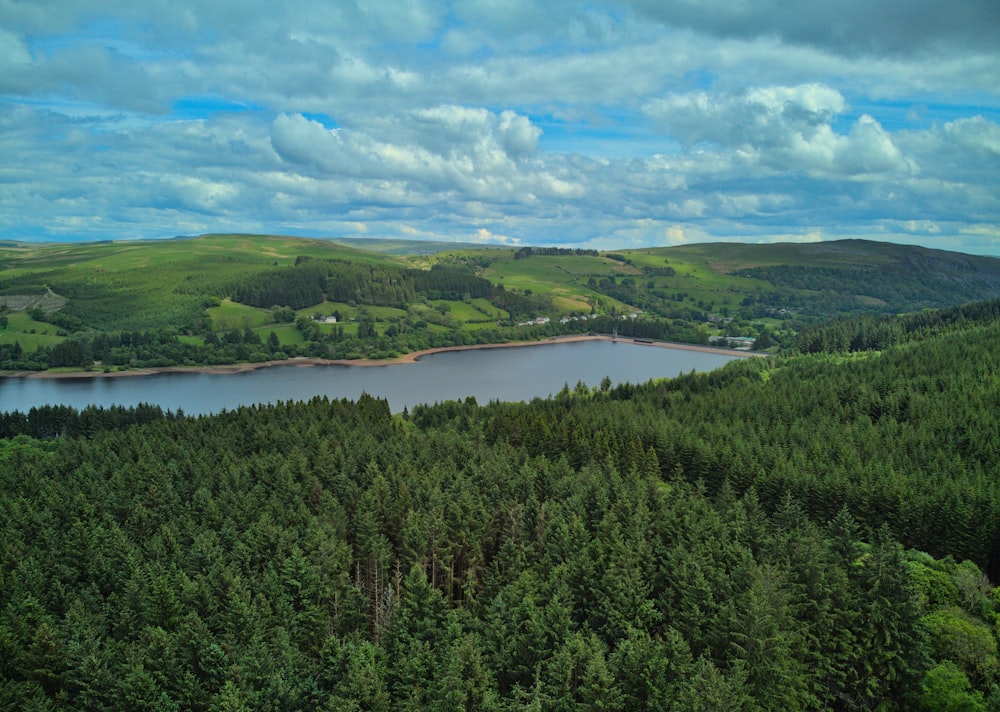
[(510, 374)]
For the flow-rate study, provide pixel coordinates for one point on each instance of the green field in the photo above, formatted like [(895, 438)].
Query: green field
[(558, 276), (192, 287), (29, 333), (385, 313), (494, 311), (462, 312), (230, 315), (287, 334)]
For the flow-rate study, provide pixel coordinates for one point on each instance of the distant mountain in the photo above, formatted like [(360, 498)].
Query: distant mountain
[(877, 276)]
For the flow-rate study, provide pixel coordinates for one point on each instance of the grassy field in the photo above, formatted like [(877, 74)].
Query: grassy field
[(156, 284), (494, 311), (561, 280), (186, 285), (462, 312), (230, 315), (29, 333), (287, 334), (153, 284), (558, 276)]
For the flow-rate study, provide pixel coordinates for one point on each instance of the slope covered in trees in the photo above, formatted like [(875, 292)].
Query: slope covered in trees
[(218, 299), (869, 278), (799, 533)]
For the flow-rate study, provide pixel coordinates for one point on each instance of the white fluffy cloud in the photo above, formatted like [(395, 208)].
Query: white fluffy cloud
[(544, 122), (783, 128), (446, 150)]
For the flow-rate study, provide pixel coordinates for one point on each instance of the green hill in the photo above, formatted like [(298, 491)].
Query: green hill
[(180, 300), (799, 533)]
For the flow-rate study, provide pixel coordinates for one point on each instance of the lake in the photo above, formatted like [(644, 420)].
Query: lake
[(509, 374)]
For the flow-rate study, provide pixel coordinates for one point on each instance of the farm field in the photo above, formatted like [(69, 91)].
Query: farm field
[(197, 293), (30, 334)]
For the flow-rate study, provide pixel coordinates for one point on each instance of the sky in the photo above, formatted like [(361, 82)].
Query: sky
[(600, 124)]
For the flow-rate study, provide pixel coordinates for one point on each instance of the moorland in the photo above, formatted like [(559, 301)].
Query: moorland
[(224, 299)]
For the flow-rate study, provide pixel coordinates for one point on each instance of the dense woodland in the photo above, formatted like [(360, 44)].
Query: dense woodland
[(165, 348), (797, 533), (310, 282), (918, 280)]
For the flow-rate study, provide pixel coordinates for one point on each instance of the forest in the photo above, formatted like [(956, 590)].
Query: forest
[(222, 299), (813, 531)]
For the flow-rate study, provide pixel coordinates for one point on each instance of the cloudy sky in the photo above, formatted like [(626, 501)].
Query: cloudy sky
[(599, 124)]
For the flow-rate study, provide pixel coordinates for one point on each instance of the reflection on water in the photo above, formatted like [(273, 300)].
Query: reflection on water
[(520, 373)]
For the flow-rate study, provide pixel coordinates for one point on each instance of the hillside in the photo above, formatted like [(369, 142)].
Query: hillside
[(226, 298), (799, 533)]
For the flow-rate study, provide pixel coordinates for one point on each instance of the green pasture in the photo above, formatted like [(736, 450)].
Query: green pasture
[(29, 333), (478, 326), (328, 308), (231, 315), (770, 322), (384, 313), (560, 273), (162, 284), (700, 273), (568, 305), (464, 255), (462, 312), (348, 312), (168, 265), (223, 249), (166, 284), (441, 329), (494, 311), (347, 326), (157, 283), (287, 249), (563, 278), (288, 334), (29, 342), (425, 310)]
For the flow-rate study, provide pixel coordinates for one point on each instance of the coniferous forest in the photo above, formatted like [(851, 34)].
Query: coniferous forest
[(809, 532)]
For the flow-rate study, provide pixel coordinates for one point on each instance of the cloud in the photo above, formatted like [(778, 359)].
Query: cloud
[(662, 121), (783, 128), (850, 26), (976, 134), (445, 150), (868, 149), (754, 118), (13, 51), (488, 237)]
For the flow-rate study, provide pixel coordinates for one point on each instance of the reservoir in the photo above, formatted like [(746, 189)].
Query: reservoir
[(510, 374)]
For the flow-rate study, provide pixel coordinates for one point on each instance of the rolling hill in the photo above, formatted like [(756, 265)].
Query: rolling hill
[(397, 296)]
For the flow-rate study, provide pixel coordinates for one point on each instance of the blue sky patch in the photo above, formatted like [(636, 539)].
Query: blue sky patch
[(603, 123)]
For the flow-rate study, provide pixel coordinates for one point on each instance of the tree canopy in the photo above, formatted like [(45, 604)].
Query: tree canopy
[(816, 531)]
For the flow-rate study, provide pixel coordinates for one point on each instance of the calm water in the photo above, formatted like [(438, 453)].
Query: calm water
[(510, 374)]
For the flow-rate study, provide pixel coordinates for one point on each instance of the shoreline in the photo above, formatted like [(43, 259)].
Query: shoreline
[(412, 357)]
